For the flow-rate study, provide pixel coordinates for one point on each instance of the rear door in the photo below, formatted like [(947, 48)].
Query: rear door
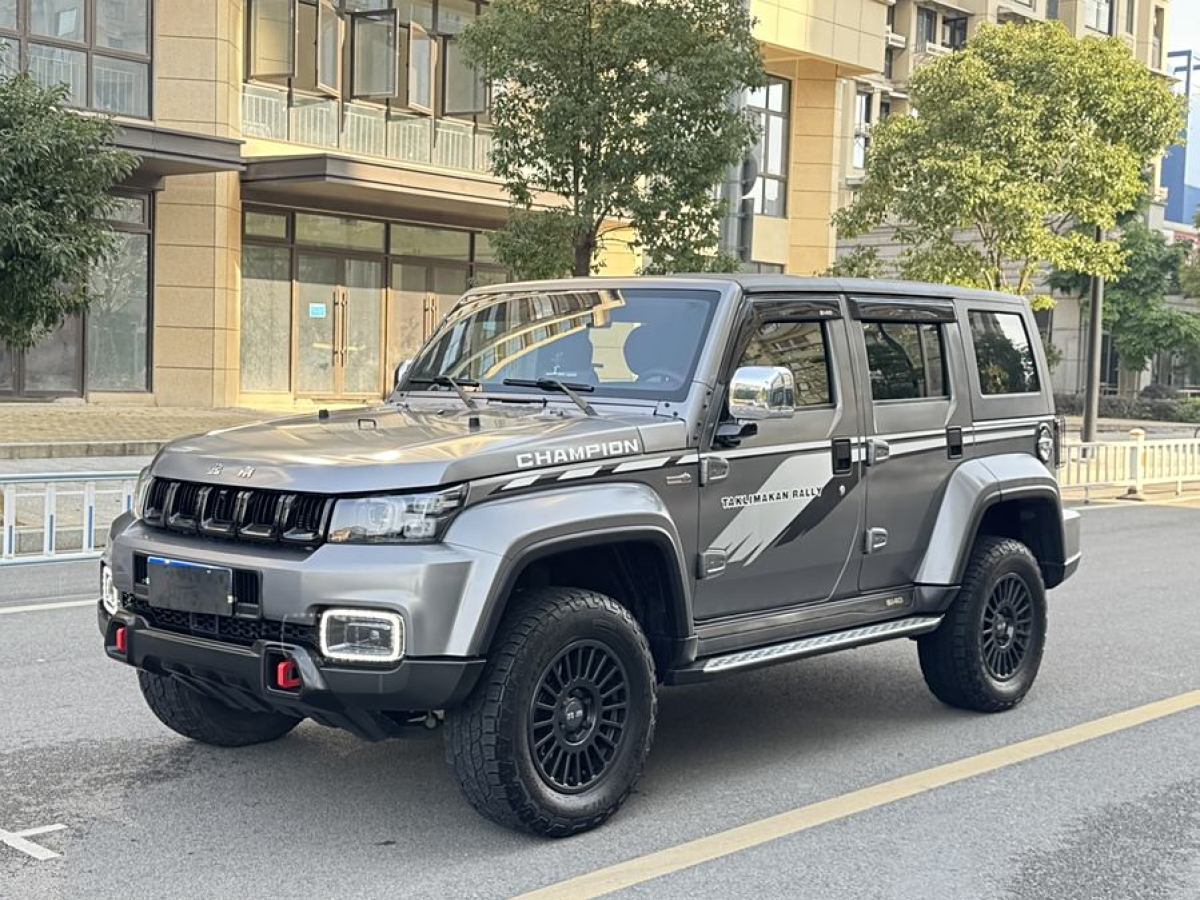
[(915, 410), (780, 515)]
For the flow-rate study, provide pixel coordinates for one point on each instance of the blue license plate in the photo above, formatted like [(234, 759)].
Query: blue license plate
[(190, 587)]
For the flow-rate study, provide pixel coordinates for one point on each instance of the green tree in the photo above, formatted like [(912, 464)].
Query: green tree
[(56, 171), (1136, 313), (860, 262), (616, 110), (1017, 138)]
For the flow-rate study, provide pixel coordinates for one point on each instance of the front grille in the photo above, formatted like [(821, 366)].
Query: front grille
[(225, 628), (247, 514)]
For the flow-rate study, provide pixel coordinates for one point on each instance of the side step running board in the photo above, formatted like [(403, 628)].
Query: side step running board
[(809, 646)]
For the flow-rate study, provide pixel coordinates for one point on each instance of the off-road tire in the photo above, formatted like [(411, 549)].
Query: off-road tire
[(186, 711), (953, 658), (489, 739)]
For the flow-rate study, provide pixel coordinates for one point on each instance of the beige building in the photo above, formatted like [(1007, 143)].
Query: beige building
[(314, 189)]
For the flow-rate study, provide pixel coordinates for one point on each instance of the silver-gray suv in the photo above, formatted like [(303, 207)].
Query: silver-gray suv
[(583, 490)]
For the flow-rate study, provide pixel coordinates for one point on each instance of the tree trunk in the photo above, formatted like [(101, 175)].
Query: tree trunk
[(585, 249)]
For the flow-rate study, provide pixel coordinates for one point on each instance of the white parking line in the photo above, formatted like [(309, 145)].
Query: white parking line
[(18, 841), (39, 607)]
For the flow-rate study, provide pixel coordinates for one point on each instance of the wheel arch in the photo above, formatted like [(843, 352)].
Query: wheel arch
[(618, 539), (1012, 495)]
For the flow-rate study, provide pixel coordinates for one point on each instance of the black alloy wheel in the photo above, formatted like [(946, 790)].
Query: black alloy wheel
[(577, 716), (1007, 626)]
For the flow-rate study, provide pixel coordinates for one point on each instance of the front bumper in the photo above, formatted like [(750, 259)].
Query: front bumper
[(374, 703), (1071, 552)]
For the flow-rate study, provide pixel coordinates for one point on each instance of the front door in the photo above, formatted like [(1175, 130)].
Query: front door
[(781, 513), (914, 430), (339, 308), (423, 291)]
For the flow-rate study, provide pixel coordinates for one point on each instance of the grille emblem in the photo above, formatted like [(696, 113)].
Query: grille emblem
[(216, 468), (245, 471)]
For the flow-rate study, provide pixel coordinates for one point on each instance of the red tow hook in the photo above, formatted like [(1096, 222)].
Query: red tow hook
[(121, 639), (287, 675)]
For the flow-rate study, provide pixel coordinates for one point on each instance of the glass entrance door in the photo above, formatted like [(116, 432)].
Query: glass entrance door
[(422, 292), (339, 329)]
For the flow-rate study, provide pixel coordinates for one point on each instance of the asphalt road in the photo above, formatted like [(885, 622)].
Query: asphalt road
[(148, 814)]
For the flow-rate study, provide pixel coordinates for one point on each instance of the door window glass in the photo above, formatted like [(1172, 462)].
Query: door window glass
[(800, 347), (1003, 354), (266, 318), (906, 360)]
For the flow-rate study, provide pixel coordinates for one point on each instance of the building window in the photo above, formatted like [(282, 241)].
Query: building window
[(891, 17), (885, 108), (863, 102), (118, 319), (1051, 9), (889, 62), (927, 31), (1156, 39), (403, 55), (770, 105), (1097, 15), (1130, 16), (330, 304), (954, 32), (100, 49)]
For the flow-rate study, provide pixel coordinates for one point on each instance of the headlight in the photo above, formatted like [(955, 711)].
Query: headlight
[(362, 635), (139, 492), (394, 519)]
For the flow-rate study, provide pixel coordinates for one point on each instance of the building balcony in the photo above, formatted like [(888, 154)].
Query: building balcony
[(364, 130)]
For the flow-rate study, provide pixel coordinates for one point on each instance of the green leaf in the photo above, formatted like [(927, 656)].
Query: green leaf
[(57, 169)]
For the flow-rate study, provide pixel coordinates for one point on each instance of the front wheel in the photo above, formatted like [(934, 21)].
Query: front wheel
[(555, 734), (986, 653), (186, 711)]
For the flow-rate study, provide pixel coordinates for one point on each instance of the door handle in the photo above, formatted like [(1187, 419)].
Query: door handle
[(843, 456), (877, 451), (954, 442)]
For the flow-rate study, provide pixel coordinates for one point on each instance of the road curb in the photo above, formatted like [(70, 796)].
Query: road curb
[(78, 449)]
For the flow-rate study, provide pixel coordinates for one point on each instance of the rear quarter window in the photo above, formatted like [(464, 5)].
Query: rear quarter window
[(1003, 353)]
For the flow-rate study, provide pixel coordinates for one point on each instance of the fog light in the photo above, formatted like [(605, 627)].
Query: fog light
[(109, 595), (361, 635)]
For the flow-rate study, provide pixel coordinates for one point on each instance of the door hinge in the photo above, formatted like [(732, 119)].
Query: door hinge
[(874, 539), (713, 468), (711, 563)]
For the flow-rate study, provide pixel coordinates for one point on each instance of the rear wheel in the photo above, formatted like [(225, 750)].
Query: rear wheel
[(186, 711), (555, 734), (986, 653)]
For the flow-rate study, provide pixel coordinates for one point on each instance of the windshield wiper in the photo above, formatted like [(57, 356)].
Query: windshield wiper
[(456, 384), (563, 387)]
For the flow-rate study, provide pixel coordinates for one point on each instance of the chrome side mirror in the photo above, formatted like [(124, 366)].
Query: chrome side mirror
[(762, 392), (401, 371)]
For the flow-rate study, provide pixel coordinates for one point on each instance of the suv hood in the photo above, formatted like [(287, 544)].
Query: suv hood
[(391, 447)]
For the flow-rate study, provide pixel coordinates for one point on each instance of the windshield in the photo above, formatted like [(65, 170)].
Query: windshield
[(643, 342)]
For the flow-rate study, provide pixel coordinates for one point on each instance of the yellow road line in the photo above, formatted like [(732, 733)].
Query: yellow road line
[(683, 856)]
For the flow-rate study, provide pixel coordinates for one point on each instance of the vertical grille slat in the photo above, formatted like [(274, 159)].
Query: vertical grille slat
[(245, 514)]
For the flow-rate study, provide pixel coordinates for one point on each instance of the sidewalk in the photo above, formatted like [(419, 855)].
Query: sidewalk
[(46, 430)]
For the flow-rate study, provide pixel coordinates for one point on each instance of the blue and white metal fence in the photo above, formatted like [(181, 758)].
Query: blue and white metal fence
[(60, 516)]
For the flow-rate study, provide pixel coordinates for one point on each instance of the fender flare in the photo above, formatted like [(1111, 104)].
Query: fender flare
[(554, 521), (975, 487)]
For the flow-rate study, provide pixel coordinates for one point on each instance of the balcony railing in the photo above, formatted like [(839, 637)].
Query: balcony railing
[(364, 129)]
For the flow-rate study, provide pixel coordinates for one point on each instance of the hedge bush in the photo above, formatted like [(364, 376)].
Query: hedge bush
[(1181, 410)]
